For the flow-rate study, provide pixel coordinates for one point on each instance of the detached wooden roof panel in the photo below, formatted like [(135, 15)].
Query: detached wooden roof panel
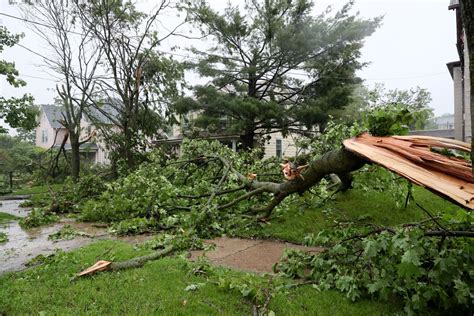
[(412, 158)]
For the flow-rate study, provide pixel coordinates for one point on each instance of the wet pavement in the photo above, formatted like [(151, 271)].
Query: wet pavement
[(24, 245), (248, 254), (11, 207)]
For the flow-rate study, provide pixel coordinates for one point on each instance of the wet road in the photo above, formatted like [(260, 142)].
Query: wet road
[(24, 245)]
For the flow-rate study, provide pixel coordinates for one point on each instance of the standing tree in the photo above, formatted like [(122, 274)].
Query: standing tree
[(365, 102), (74, 59), (467, 14), (17, 112), (138, 81), (274, 65)]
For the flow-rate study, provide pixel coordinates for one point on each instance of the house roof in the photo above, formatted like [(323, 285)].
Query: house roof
[(453, 4), (53, 114), (95, 115), (452, 65)]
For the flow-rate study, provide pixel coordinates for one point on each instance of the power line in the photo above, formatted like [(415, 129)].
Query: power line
[(38, 23), (36, 53), (36, 77)]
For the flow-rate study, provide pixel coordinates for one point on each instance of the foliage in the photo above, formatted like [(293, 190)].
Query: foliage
[(394, 119), (17, 112), (5, 217), (18, 157), (38, 217), (375, 178), (69, 196), (133, 226), (159, 190), (3, 237), (173, 195), (180, 241), (143, 81), (254, 289), (424, 272), (257, 49), (67, 232), (389, 112), (334, 134)]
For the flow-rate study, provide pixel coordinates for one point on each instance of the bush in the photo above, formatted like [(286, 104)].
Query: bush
[(38, 217), (3, 237), (423, 272), (134, 226)]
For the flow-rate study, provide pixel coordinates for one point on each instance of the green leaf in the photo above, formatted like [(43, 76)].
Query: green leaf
[(371, 248), (410, 256), (408, 270)]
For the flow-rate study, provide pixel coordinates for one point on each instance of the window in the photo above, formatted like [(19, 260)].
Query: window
[(44, 136), (278, 148)]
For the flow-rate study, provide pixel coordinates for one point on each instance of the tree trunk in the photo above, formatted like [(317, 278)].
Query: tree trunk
[(75, 157), (247, 140), (467, 15), (340, 161)]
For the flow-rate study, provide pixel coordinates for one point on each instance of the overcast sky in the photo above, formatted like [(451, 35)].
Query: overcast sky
[(411, 48)]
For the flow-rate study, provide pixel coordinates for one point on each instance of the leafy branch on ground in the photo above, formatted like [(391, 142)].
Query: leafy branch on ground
[(403, 262)]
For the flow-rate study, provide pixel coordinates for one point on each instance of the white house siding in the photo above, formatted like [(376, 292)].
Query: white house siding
[(101, 156), (45, 127), (458, 109), (288, 145)]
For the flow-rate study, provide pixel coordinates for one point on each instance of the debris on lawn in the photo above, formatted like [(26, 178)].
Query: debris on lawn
[(100, 265)]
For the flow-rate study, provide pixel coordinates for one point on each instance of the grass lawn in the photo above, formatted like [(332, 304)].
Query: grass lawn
[(39, 195), (157, 288), (5, 218), (39, 189), (298, 220)]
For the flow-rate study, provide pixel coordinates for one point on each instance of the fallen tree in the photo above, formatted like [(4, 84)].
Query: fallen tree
[(410, 157)]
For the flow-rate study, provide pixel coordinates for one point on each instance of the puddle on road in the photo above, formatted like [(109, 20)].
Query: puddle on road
[(24, 245), (11, 207)]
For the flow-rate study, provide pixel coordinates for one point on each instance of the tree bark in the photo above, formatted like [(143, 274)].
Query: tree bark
[(140, 261), (75, 157), (247, 140), (467, 15), (340, 161)]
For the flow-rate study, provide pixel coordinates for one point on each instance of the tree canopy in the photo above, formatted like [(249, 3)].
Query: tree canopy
[(138, 81), (17, 112), (274, 65)]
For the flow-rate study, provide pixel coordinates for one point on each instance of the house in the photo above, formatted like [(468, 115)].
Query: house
[(274, 146), (50, 134), (445, 121), (441, 126), (459, 71)]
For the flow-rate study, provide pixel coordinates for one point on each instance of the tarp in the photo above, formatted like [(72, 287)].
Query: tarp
[(420, 160)]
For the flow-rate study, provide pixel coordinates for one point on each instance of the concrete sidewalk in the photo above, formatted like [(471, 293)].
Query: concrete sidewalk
[(248, 254)]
